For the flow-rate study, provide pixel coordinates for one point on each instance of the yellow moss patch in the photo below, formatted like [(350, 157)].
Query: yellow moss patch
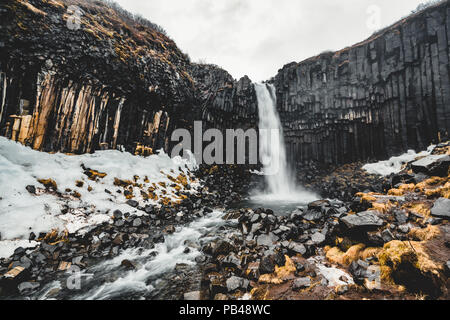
[(425, 234), (94, 174), (281, 274), (79, 183), (383, 207), (162, 184), (418, 208), (260, 293), (336, 256), (76, 194), (54, 237), (49, 183), (434, 181), (122, 183), (398, 254), (368, 197)]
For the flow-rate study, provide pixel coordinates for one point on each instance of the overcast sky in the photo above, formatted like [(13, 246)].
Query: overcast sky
[(258, 37)]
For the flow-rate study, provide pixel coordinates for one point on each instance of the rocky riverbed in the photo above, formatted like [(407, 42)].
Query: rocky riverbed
[(387, 243)]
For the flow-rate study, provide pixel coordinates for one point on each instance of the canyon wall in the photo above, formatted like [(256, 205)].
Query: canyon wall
[(110, 82), (120, 82), (377, 98)]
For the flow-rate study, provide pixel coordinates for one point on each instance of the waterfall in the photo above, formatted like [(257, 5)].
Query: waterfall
[(272, 150)]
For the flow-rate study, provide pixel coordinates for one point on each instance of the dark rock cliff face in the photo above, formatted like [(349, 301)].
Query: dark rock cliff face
[(374, 99), (225, 102), (117, 82), (111, 83)]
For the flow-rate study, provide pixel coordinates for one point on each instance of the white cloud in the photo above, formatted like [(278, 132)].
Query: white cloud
[(258, 37)]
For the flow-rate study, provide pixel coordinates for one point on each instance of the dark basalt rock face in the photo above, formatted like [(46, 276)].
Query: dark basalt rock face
[(225, 102), (374, 99), (120, 83), (112, 82)]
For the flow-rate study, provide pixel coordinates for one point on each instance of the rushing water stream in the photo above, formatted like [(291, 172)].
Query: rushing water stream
[(164, 272)]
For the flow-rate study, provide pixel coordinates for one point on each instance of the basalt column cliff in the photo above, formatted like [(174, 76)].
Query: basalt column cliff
[(78, 76), (374, 99)]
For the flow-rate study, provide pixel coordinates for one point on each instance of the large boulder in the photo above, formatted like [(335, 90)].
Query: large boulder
[(441, 208), (367, 220), (433, 165)]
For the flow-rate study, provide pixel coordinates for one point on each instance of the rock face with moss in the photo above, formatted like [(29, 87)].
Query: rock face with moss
[(119, 82), (108, 82), (376, 98)]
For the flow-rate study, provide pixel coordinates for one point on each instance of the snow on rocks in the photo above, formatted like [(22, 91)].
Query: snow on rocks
[(395, 164), (40, 192)]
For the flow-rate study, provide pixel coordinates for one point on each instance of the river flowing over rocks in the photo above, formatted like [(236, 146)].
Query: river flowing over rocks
[(92, 205)]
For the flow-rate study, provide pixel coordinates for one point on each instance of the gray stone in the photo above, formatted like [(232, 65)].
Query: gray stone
[(192, 296), (404, 228), (28, 287), (266, 240), (235, 283), (137, 222), (433, 165), (297, 248), (441, 208), (132, 203), (363, 220), (318, 238), (301, 283)]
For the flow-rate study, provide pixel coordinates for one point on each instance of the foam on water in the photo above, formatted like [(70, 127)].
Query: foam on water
[(108, 283)]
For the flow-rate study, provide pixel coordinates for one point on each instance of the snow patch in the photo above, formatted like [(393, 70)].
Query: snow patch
[(7, 247), (395, 164), (22, 213)]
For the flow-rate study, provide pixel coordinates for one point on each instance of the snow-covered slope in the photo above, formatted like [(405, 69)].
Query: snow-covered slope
[(81, 200)]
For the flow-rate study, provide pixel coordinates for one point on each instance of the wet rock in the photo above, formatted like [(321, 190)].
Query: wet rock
[(404, 228), (253, 271), (358, 269), (342, 290), (149, 209), (119, 223), (27, 287), (158, 238), (128, 265), (367, 220), (400, 216), (232, 261), (432, 165), (318, 238), (137, 222), (169, 229), (266, 240), (117, 214), (441, 208), (297, 248), (223, 247), (31, 189), (312, 215), (266, 265), (201, 259), (132, 203), (235, 283), (301, 283), (387, 236)]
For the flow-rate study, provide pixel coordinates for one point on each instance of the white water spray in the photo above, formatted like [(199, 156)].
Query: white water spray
[(280, 181)]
